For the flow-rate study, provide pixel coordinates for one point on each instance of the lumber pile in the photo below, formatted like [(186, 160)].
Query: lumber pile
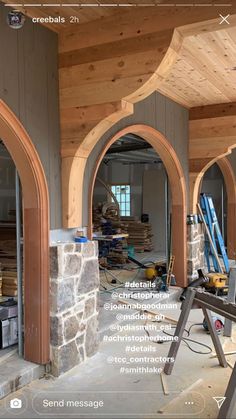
[(118, 256), (106, 221), (9, 283), (102, 214), (140, 235), (8, 268)]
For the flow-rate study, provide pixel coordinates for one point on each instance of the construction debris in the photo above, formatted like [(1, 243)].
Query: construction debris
[(102, 213), (230, 364), (140, 235), (225, 353)]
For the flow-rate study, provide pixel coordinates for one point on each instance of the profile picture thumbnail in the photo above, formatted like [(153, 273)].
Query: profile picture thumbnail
[(15, 19)]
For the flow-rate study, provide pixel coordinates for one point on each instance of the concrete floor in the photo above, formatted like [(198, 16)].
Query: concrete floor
[(131, 394)]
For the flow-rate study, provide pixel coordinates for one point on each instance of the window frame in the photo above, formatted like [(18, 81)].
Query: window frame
[(123, 212)]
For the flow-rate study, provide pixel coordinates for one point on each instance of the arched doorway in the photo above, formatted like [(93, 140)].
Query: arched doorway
[(230, 185), (36, 235), (178, 191), (229, 179)]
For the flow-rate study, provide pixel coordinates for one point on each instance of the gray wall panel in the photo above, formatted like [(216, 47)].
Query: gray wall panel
[(29, 86), (232, 159)]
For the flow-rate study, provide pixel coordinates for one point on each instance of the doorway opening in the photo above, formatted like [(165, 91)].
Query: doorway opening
[(177, 190), (131, 196), (219, 181), (213, 184), (11, 254), (136, 212), (35, 213)]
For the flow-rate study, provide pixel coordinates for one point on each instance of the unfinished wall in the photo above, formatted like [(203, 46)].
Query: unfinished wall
[(154, 184), (29, 86), (118, 173), (158, 112), (144, 179)]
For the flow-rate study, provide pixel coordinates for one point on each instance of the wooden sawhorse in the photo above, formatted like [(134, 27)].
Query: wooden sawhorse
[(207, 302)]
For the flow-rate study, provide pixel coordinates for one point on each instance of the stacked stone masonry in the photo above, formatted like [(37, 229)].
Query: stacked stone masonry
[(195, 250), (74, 285)]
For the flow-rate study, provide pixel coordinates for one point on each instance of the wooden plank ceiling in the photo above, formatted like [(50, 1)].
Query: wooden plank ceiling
[(205, 71)]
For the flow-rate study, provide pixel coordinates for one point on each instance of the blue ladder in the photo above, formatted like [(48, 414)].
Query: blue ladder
[(210, 216)]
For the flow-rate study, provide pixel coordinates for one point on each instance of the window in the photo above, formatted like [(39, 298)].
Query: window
[(122, 194)]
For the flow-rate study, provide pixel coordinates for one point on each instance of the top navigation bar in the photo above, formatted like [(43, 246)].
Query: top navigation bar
[(118, 5)]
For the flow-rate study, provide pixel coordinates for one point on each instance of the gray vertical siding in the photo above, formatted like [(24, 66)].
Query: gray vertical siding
[(29, 86), (159, 112), (232, 159)]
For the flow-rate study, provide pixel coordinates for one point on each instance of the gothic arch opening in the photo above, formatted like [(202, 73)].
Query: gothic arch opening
[(177, 186), (35, 235)]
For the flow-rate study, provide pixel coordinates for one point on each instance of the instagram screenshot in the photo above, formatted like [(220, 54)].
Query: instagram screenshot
[(118, 209)]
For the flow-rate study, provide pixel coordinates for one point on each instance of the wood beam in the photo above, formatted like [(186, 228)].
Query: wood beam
[(118, 48), (140, 21), (129, 147), (211, 137), (213, 111), (90, 123)]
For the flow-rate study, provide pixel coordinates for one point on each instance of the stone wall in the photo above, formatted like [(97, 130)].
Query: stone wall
[(195, 249), (74, 285)]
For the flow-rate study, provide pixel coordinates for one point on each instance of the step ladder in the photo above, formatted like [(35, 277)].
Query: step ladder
[(210, 216)]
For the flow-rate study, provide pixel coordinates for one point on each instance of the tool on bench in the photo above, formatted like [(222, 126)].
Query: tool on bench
[(199, 282), (217, 284), (213, 282)]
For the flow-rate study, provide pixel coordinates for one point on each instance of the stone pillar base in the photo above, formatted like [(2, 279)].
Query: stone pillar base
[(195, 240), (74, 286)]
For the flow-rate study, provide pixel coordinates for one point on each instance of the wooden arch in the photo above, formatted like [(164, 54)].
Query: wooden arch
[(36, 235), (230, 183), (178, 191)]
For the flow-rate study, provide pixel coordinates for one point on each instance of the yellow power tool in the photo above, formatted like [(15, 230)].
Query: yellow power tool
[(218, 283)]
